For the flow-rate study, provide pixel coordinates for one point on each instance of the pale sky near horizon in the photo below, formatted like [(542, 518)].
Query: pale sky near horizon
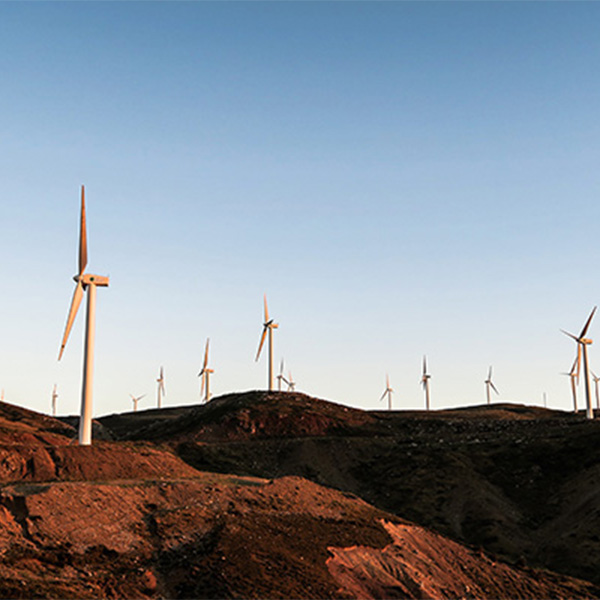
[(400, 179)]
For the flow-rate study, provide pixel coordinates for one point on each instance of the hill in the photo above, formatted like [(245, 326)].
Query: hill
[(150, 516), (521, 482)]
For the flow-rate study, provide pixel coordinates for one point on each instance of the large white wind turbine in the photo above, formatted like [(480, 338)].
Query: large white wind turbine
[(582, 344), (268, 326), (205, 375), (135, 400), (425, 383), (489, 384), (54, 397), (86, 283), (388, 392), (161, 387)]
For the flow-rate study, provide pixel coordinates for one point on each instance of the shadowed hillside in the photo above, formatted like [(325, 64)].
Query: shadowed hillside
[(152, 516), (521, 482)]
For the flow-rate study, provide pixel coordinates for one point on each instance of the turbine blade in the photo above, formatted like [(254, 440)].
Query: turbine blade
[(262, 341), (383, 395), (587, 323), (570, 335), (266, 310), (573, 368), (424, 365), (75, 302), (494, 388), (387, 381), (82, 236), (202, 384), (490, 373), (206, 354), (281, 367)]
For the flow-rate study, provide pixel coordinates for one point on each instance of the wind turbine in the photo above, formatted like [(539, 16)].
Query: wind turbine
[(85, 283), (388, 392), (161, 387), (268, 326), (425, 383), (281, 377), (54, 397), (489, 384), (135, 400), (291, 383), (596, 380), (573, 374), (205, 374), (582, 344)]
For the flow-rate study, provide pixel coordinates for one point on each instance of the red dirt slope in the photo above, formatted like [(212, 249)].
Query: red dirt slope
[(218, 536)]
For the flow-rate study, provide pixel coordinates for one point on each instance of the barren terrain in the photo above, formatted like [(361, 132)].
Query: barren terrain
[(273, 495)]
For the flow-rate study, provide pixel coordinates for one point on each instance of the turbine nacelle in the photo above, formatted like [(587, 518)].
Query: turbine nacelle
[(87, 279)]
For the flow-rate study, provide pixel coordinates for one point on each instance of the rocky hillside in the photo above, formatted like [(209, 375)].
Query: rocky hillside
[(521, 482), (153, 517)]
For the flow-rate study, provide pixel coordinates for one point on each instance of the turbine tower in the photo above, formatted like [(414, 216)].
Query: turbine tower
[(54, 397), (161, 387), (268, 326), (582, 344), (281, 377), (205, 375), (573, 375), (425, 383), (135, 400), (489, 384), (85, 283), (388, 392)]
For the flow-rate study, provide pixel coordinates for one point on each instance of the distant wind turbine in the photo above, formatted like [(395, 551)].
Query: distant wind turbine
[(388, 392), (573, 375), (54, 397), (85, 283), (205, 373), (425, 383), (268, 327), (489, 384), (582, 344), (596, 380), (281, 377), (135, 400), (161, 387), (291, 383)]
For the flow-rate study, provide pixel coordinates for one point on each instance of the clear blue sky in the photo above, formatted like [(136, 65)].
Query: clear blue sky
[(400, 178)]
